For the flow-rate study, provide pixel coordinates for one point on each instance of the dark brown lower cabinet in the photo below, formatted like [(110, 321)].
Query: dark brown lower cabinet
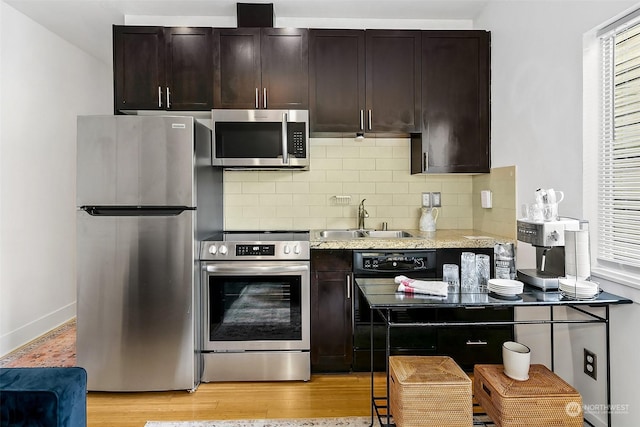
[(333, 338), (331, 306)]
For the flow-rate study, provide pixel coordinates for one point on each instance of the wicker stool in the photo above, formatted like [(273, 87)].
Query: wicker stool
[(429, 391), (543, 400)]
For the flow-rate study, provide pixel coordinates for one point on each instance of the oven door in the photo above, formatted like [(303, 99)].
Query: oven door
[(256, 305)]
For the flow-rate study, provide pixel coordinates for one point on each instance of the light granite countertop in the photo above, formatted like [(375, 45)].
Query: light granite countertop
[(420, 240)]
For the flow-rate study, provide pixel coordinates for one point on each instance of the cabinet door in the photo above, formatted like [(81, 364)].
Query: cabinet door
[(138, 64), (393, 80), (236, 81), (331, 307), (189, 68), (455, 101), (336, 80), (285, 68)]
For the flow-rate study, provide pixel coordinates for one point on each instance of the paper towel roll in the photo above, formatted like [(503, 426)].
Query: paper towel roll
[(577, 262)]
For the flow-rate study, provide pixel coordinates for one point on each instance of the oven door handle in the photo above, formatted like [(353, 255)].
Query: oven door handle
[(261, 269)]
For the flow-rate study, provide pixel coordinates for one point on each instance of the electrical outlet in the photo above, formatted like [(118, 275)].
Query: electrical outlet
[(590, 364), (426, 200), (436, 201)]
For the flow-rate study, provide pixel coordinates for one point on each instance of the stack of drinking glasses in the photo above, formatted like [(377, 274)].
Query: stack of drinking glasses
[(475, 272)]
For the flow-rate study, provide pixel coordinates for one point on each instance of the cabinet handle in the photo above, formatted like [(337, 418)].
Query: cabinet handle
[(348, 286), (168, 98), (479, 342), (264, 97), (369, 119), (425, 163), (257, 99), (361, 119), (159, 97)]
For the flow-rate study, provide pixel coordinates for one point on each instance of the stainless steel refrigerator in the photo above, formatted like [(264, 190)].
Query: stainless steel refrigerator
[(146, 195)]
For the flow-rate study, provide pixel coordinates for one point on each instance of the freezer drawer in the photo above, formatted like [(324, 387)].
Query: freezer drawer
[(136, 318), (135, 161)]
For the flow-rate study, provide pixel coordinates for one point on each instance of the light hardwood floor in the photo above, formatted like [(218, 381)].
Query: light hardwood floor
[(323, 396)]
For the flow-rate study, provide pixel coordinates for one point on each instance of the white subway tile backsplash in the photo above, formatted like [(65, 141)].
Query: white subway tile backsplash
[(251, 187), (392, 164), (376, 169)]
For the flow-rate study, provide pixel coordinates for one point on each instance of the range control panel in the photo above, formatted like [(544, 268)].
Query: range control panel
[(405, 262), (242, 251), (255, 250)]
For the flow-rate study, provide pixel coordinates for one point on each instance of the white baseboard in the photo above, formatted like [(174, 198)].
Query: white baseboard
[(32, 330)]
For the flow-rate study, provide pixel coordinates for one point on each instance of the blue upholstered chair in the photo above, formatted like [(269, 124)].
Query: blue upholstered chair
[(43, 397)]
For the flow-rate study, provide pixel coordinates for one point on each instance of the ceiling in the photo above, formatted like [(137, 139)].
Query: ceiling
[(87, 23)]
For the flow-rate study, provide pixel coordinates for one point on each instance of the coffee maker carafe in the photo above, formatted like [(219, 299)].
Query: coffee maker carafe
[(548, 239)]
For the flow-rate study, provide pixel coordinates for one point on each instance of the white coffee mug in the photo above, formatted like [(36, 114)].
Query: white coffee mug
[(516, 359)]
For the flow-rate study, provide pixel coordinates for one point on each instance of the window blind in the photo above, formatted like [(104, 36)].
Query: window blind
[(619, 153)]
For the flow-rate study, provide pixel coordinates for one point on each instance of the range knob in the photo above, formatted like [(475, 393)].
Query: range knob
[(287, 249), (223, 250), (213, 249), (296, 249)]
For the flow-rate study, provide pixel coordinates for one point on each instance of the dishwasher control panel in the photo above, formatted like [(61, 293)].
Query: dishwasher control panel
[(377, 263)]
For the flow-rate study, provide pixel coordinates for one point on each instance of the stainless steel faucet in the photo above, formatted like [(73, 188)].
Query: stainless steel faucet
[(362, 214)]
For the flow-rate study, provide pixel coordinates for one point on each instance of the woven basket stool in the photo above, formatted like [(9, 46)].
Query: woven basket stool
[(429, 391), (544, 399)]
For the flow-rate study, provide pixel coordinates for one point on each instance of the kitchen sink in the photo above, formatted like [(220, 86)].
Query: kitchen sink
[(354, 234), (341, 234), (387, 233)]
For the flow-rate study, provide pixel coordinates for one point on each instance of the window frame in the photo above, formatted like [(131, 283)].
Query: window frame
[(592, 113)]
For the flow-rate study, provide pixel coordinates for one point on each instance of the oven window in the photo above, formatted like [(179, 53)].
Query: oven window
[(249, 308)]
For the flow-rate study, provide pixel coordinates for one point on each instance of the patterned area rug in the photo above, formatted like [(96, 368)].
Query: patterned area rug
[(315, 422), (478, 420), (54, 349)]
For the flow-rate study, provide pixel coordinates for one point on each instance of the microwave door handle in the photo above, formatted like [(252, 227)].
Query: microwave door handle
[(285, 145)]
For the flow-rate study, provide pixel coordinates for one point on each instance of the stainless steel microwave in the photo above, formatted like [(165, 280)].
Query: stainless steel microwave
[(260, 139)]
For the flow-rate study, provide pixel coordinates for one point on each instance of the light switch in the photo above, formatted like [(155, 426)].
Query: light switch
[(485, 199), (436, 201), (426, 200)]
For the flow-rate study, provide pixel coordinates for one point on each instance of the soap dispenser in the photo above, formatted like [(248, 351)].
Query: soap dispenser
[(428, 219)]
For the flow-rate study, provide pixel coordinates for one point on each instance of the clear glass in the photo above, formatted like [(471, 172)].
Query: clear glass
[(451, 275), (469, 280), (483, 269)]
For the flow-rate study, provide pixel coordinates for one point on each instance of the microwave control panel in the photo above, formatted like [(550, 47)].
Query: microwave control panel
[(297, 139)]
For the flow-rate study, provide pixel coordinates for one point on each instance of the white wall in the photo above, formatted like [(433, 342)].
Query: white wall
[(537, 125), (46, 83)]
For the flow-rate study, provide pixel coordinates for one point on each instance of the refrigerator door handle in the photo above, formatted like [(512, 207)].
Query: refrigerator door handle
[(134, 210)]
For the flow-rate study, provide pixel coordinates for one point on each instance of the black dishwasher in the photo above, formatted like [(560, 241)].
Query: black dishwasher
[(418, 264), (466, 345)]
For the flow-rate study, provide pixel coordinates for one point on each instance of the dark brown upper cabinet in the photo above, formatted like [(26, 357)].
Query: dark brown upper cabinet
[(256, 68), (455, 104), (157, 68), (393, 99), (336, 81)]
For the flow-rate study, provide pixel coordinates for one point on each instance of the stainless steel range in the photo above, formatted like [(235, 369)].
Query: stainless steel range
[(256, 305)]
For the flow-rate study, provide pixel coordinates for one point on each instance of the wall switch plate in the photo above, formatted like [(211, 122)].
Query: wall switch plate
[(426, 200), (590, 364), (436, 201)]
